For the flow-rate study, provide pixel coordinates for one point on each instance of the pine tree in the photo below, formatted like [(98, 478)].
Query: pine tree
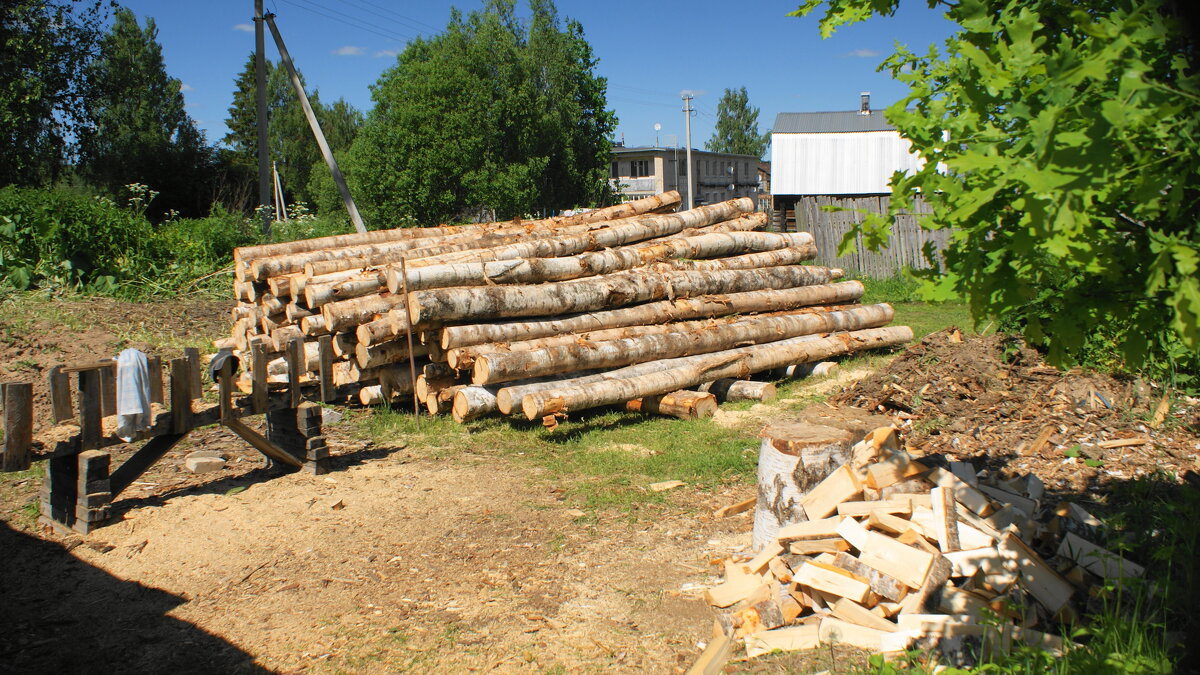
[(140, 132), (737, 126)]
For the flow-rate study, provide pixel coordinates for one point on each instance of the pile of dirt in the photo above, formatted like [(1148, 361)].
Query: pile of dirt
[(992, 399)]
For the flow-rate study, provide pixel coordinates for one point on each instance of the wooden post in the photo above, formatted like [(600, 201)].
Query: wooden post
[(60, 394), (225, 390), (108, 390), (296, 367), (325, 357), (258, 377), (18, 425), (93, 491), (90, 417), (193, 356), (181, 395), (154, 372), (59, 487)]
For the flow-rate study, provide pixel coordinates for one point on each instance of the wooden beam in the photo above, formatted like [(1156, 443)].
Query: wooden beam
[(181, 395), (154, 372), (140, 461), (90, 420), (296, 367), (325, 366), (18, 425), (192, 354), (261, 444), (108, 391), (60, 394), (258, 377)]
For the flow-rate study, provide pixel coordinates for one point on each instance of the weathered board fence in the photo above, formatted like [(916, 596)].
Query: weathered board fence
[(904, 249)]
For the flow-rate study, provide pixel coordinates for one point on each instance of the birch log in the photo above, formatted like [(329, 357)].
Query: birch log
[(472, 402), (349, 314), (740, 362), (686, 405), (385, 353), (740, 390), (651, 313), (446, 305), (502, 367), (377, 331)]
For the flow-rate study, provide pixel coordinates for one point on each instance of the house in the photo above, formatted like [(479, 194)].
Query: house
[(644, 171), (836, 154)]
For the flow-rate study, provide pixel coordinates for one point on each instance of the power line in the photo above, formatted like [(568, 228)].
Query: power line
[(401, 19), (344, 19)]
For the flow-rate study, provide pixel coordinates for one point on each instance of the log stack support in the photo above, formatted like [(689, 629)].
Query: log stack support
[(81, 483)]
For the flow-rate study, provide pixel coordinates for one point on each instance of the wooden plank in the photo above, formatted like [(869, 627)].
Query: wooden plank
[(734, 509), (18, 425), (296, 367), (90, 419), (891, 505), (836, 631), (108, 391), (883, 585), (325, 367), (1097, 560), (154, 372), (905, 563), (945, 519), (258, 377), (192, 354), (261, 444), (60, 394), (788, 639), (848, 610), (840, 486), (140, 461), (181, 395), (829, 579), (809, 529)]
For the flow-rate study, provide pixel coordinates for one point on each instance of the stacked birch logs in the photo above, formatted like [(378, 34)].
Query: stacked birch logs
[(634, 304)]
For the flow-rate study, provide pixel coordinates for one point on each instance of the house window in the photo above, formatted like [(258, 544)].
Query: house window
[(682, 168), (639, 168), (613, 172)]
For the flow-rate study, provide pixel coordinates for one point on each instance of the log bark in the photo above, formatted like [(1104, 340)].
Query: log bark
[(538, 270), (741, 390), (473, 402), (385, 353), (344, 346), (280, 337), (377, 331), (313, 325), (371, 395), (295, 313), (686, 405), (740, 362), (792, 255), (254, 265), (285, 286), (349, 314), (427, 386), (446, 305), (363, 283), (503, 367), (802, 370), (792, 458), (652, 313), (443, 400)]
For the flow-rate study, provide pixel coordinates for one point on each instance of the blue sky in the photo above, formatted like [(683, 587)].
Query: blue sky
[(649, 51)]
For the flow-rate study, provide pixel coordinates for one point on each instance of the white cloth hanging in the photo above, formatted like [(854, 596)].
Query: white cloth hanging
[(133, 394)]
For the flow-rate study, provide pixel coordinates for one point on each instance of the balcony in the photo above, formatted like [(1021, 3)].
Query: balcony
[(648, 184)]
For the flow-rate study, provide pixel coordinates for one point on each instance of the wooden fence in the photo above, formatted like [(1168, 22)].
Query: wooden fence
[(904, 249)]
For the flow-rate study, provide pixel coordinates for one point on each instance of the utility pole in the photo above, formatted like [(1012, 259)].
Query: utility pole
[(260, 118), (691, 175), (313, 124)]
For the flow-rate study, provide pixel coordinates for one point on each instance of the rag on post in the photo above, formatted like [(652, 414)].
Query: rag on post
[(133, 394)]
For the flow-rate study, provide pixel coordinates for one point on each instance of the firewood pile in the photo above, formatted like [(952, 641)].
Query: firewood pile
[(634, 304), (894, 553)]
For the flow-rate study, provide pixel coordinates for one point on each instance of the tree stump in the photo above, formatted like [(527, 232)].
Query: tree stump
[(794, 457)]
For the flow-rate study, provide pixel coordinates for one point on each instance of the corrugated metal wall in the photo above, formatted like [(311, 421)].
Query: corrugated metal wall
[(904, 249), (838, 164)]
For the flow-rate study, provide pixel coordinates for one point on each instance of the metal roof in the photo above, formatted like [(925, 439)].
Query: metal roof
[(830, 122)]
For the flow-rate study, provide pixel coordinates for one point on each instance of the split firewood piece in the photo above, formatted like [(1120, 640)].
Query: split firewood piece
[(836, 631), (892, 470), (840, 486), (666, 485), (848, 610), (761, 612), (893, 505), (816, 546), (1027, 506), (881, 584), (788, 639), (957, 601), (893, 525), (834, 580), (824, 528), (945, 519), (735, 508), (715, 655), (965, 472), (759, 563), (738, 585), (1042, 582), (966, 495), (907, 564), (968, 562), (1097, 560), (1122, 442), (928, 595)]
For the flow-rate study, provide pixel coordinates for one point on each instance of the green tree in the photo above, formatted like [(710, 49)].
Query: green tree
[(290, 140), (737, 126), (47, 44), (1060, 146), (140, 132), (494, 112)]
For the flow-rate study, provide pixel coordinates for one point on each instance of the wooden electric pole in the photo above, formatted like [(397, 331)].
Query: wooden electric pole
[(260, 85)]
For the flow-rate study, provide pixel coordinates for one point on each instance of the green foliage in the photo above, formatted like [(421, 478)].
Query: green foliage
[(495, 112), (1066, 142), (139, 130), (47, 43), (737, 126), (291, 143)]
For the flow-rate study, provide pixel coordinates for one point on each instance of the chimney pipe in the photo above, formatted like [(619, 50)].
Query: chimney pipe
[(865, 106)]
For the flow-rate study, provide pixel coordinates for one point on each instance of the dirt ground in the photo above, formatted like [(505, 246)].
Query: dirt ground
[(407, 560)]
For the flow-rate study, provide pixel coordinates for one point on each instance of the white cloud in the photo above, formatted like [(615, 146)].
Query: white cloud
[(184, 86), (349, 50), (862, 54), (387, 52), (244, 27)]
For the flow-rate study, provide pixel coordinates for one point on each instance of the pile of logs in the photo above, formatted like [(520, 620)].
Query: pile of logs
[(634, 304), (891, 552)]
